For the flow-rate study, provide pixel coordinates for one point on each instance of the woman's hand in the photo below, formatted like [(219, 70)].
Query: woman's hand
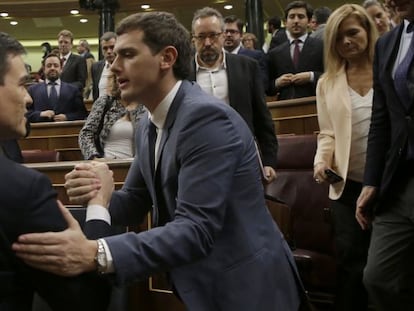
[(319, 172)]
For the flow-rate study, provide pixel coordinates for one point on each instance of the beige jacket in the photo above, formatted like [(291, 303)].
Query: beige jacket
[(334, 116)]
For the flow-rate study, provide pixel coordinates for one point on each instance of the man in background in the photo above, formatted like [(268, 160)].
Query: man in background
[(274, 27), (74, 69), (55, 100), (101, 70), (84, 51), (319, 19), (234, 79), (296, 65)]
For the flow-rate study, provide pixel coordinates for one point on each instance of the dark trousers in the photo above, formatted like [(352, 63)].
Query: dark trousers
[(389, 274), (351, 244)]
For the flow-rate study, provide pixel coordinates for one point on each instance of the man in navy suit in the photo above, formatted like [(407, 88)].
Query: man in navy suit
[(65, 105), (28, 204), (235, 79), (389, 170), (296, 65), (196, 169), (233, 31), (101, 70), (74, 66)]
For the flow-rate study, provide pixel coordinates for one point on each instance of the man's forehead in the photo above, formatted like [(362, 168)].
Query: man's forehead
[(295, 11)]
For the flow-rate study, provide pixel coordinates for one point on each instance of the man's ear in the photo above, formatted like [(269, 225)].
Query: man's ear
[(168, 57)]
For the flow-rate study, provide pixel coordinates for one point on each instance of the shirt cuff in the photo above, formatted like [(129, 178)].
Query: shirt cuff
[(109, 261), (312, 76), (98, 212)]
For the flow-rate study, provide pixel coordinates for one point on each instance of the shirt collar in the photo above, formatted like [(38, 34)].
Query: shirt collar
[(222, 65), (56, 81), (236, 50), (301, 38), (159, 115), (66, 56)]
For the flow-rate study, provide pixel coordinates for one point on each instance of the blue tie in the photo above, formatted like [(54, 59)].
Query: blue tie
[(53, 96), (400, 77)]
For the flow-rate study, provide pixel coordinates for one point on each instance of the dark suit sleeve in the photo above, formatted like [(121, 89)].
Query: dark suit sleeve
[(262, 122), (82, 73), (77, 109), (34, 115), (85, 292), (379, 137)]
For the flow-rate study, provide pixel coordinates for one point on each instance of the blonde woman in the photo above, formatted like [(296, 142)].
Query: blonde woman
[(344, 100)]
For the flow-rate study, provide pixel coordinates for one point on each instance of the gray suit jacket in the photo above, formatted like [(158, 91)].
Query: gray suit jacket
[(216, 236)]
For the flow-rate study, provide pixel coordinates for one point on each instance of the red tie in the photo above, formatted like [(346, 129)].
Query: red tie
[(296, 53)]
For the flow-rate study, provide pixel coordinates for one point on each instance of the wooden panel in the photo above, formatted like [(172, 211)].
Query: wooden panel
[(297, 116), (56, 170), (56, 128), (49, 142), (70, 154)]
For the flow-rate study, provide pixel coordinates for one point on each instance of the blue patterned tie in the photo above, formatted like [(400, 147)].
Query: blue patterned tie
[(400, 77), (53, 96)]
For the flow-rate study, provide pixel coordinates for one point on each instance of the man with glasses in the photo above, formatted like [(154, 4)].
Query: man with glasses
[(233, 31), (234, 79)]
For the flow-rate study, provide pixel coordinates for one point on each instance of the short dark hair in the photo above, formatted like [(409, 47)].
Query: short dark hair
[(108, 36), (299, 4), (160, 30), (8, 46), (234, 19), (321, 14), (275, 22)]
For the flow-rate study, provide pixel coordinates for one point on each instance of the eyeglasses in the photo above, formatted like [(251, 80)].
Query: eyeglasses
[(231, 31), (213, 36)]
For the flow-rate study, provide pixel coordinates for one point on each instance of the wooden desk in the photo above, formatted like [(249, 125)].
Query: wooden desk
[(297, 116), (56, 128), (56, 170), (54, 142)]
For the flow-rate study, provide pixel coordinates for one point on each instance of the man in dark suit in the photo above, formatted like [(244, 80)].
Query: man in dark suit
[(74, 69), (28, 204), (196, 169), (296, 65), (274, 26), (55, 100), (389, 170), (101, 70), (235, 80), (233, 31)]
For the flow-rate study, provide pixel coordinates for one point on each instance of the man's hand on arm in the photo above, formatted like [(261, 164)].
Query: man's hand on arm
[(65, 253), (283, 80), (364, 206), (47, 114), (270, 174), (60, 117)]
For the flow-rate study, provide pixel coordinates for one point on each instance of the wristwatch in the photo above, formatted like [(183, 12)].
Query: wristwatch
[(100, 258)]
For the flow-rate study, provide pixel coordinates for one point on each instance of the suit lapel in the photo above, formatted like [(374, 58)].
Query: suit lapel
[(232, 78)]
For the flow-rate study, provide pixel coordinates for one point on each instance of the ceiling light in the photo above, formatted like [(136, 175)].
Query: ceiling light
[(13, 23), (74, 12), (4, 14), (83, 20), (228, 7), (145, 6)]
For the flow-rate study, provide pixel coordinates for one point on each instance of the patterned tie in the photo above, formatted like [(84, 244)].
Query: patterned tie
[(53, 96), (400, 77), (296, 52)]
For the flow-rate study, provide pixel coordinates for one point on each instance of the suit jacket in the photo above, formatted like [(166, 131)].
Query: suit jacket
[(261, 58), (278, 38), (220, 245), (70, 102), (75, 71), (391, 126), (246, 96), (97, 69), (28, 204), (335, 124), (280, 62), (12, 150)]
